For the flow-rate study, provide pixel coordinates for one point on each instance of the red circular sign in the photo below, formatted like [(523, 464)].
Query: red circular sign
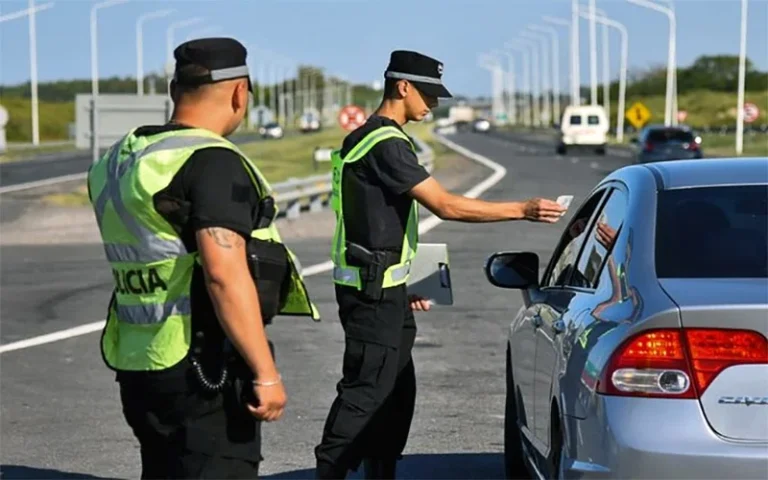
[(751, 112), (351, 117)]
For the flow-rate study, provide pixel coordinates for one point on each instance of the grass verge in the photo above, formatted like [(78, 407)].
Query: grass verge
[(279, 160)]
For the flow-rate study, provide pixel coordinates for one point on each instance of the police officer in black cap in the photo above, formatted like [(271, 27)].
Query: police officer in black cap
[(378, 184), (191, 419)]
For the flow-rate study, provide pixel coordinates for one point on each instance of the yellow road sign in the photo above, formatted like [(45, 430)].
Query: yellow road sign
[(638, 114)]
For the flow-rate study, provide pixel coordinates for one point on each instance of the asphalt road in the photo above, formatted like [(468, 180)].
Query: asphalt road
[(50, 165), (60, 412)]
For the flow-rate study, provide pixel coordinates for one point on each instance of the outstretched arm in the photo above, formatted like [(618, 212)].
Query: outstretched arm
[(449, 206)]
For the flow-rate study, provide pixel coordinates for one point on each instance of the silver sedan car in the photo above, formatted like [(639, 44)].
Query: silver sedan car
[(641, 351)]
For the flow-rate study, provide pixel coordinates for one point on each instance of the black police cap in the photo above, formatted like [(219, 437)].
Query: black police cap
[(224, 58), (424, 72)]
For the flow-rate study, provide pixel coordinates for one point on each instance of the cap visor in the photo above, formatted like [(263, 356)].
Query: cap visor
[(433, 90)]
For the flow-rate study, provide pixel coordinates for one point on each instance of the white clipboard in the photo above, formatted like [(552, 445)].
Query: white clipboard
[(430, 275)]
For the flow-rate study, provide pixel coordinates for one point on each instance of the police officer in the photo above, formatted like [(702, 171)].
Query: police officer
[(186, 222), (378, 184)]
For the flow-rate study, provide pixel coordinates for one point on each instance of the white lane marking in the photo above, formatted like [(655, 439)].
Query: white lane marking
[(574, 160), (424, 226), (594, 165), (42, 183)]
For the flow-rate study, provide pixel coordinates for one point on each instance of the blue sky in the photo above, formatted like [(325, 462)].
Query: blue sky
[(353, 38)]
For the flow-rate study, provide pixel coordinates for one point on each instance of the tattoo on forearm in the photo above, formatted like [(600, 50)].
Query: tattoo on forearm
[(224, 238)]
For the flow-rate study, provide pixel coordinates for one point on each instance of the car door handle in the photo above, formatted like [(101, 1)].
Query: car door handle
[(536, 320), (558, 327)]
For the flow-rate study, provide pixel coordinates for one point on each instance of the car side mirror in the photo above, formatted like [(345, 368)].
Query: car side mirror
[(518, 270)]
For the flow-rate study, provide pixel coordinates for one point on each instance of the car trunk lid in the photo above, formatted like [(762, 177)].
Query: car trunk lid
[(735, 400)]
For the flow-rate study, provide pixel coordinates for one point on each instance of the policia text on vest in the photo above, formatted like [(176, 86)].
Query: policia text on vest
[(148, 325)]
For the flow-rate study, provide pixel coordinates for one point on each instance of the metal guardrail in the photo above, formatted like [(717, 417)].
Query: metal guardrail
[(311, 194)]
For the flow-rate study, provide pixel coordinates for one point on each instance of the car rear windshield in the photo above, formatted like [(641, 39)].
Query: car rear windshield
[(593, 120), (669, 135), (575, 120), (713, 232)]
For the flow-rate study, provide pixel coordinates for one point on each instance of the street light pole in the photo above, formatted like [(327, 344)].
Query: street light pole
[(536, 82), (592, 54), (140, 45), (510, 83), (671, 64), (491, 64), (526, 79), (95, 73), (575, 74), (602, 18), (169, 38), (33, 74), (742, 80), (545, 84), (34, 104), (555, 58)]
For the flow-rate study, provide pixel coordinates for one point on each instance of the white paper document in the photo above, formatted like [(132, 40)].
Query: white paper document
[(430, 275)]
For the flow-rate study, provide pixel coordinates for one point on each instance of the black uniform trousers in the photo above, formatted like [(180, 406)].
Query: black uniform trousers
[(372, 413), (185, 431)]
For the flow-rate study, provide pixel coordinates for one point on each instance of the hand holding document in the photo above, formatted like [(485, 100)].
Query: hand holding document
[(564, 201)]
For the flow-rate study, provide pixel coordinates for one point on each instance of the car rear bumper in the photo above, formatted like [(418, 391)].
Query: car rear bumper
[(657, 438)]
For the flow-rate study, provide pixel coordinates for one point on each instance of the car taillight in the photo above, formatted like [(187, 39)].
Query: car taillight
[(678, 363), (648, 147), (693, 146)]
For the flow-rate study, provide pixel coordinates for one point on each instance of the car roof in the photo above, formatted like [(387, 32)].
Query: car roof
[(710, 172), (661, 126)]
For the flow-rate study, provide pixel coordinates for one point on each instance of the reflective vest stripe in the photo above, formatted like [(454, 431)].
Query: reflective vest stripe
[(150, 248), (359, 150), (149, 313)]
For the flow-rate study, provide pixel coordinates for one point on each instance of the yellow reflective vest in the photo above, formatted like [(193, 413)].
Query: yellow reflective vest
[(349, 275), (148, 324)]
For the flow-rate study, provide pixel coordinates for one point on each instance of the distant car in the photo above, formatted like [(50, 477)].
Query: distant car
[(481, 125), (658, 143), (583, 127), (272, 130), (642, 351)]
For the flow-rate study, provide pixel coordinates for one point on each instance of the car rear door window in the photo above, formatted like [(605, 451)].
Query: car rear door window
[(564, 257), (670, 135), (712, 232), (600, 241)]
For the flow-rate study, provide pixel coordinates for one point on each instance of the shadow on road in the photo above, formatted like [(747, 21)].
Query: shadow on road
[(28, 473), (445, 466)]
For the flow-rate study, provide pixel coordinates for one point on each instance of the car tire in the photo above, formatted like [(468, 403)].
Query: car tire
[(561, 149), (514, 465), (556, 443), (601, 151)]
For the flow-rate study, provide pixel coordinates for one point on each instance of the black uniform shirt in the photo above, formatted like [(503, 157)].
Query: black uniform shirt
[(375, 188), (216, 187)]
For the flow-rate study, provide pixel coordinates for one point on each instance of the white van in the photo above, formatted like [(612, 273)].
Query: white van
[(583, 126)]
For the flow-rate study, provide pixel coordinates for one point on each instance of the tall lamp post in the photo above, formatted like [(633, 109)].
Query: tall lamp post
[(742, 80), (526, 80), (95, 73), (30, 12), (545, 81), (140, 45), (169, 34), (669, 118), (511, 93), (535, 69), (555, 68), (602, 18)]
